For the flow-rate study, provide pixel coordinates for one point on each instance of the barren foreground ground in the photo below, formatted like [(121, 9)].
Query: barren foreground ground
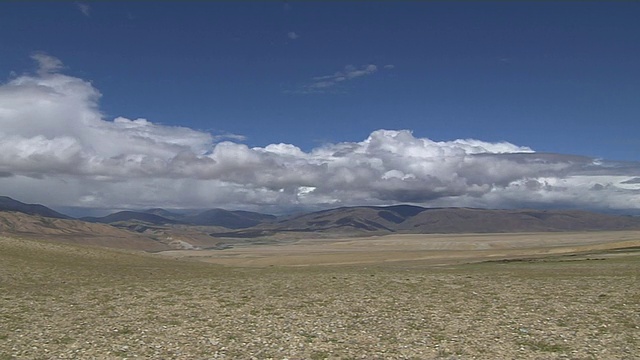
[(62, 301)]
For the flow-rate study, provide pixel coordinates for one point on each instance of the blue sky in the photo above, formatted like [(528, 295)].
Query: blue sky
[(522, 72), (550, 77)]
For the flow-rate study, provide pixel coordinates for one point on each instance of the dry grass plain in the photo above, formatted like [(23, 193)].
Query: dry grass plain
[(422, 249), (67, 301)]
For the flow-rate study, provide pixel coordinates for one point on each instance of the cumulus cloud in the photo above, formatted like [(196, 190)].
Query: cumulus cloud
[(292, 35), (57, 148)]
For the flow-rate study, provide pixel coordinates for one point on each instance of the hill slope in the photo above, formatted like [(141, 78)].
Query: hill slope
[(131, 216), (407, 219), (75, 231), (486, 221), (215, 217), (229, 219), (9, 204)]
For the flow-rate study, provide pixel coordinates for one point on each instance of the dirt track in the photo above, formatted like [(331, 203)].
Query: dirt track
[(425, 249)]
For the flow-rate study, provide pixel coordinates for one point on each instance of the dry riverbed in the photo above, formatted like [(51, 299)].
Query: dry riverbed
[(62, 301)]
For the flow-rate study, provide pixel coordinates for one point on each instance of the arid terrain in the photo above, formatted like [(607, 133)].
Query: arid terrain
[(421, 249), (561, 296)]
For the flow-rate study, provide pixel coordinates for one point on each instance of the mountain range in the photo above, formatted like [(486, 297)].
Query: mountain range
[(409, 219), (345, 221), (214, 217)]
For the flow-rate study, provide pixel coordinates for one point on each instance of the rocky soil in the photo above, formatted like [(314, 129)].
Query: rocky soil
[(62, 301)]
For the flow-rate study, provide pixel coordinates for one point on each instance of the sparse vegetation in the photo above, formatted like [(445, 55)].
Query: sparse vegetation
[(68, 301)]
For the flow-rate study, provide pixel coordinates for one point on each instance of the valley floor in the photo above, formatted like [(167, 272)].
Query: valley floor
[(64, 301), (419, 249)]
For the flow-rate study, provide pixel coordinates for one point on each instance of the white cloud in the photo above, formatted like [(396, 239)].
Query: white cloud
[(84, 8), (47, 64), (292, 35), (321, 83), (57, 148)]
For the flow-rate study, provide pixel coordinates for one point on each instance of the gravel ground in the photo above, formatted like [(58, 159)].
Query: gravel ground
[(62, 301)]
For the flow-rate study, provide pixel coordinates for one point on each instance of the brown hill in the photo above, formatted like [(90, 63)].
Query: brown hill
[(348, 219), (491, 221), (74, 231)]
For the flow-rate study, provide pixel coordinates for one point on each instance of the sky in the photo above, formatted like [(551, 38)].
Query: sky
[(289, 106)]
